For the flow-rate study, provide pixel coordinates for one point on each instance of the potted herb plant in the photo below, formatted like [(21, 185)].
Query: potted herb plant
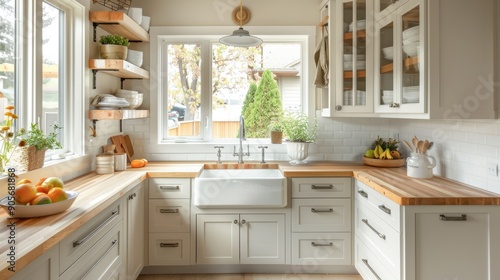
[(114, 47), (30, 153), (300, 132), (276, 130)]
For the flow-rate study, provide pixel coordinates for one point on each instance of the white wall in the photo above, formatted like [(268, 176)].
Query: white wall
[(463, 148)]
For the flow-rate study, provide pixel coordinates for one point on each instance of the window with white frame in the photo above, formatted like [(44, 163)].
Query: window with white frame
[(42, 66), (202, 84)]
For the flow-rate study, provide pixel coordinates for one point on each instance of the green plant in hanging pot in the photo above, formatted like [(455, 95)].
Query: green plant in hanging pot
[(30, 153), (299, 132), (113, 47)]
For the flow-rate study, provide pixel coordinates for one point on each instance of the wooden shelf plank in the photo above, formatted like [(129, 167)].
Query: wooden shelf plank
[(406, 63), (349, 74), (119, 23), (359, 34), (117, 114), (119, 68)]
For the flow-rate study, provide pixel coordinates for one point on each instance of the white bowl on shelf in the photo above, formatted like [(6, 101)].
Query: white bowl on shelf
[(413, 39), (388, 53), (135, 57), (410, 32), (360, 25), (387, 93), (412, 49), (134, 98)]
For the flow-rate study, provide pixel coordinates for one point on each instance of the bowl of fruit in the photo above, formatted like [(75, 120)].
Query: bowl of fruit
[(47, 197), (384, 154)]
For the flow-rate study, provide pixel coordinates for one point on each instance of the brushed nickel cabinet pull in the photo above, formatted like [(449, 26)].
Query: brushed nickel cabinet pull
[(321, 244), (113, 244), (374, 230), (169, 187), (363, 193), (385, 209), (169, 211), (462, 218), (235, 222), (365, 261), (321, 211), (243, 222), (322, 187), (169, 245), (77, 243)]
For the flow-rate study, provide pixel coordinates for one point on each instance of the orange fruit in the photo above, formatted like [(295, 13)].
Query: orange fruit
[(41, 199), (136, 163), (23, 181), (25, 193), (57, 194), (40, 182), (42, 188)]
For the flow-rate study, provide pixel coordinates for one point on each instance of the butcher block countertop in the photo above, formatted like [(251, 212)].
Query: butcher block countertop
[(96, 192)]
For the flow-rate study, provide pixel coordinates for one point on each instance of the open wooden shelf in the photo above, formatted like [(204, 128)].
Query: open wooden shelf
[(388, 68), (118, 114), (118, 23), (119, 68)]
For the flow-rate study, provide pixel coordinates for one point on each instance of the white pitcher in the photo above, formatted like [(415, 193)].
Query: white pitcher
[(420, 165)]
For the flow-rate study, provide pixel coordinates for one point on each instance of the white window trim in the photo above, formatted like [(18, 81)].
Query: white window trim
[(156, 146)]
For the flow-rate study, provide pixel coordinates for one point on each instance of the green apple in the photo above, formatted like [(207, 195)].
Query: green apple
[(369, 154)]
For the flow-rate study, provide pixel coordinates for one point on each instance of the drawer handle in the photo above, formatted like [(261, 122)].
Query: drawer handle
[(113, 244), (363, 194), (107, 221), (322, 187), (321, 244), (169, 245), (453, 219), (321, 211), (385, 209), (169, 211), (169, 187), (374, 230), (365, 261)]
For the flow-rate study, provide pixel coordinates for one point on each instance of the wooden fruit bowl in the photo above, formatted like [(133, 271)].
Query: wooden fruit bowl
[(384, 162)]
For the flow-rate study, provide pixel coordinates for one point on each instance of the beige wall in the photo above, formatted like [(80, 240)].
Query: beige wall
[(218, 12)]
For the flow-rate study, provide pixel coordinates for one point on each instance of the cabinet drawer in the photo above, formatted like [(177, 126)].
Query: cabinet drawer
[(320, 215), (169, 248), (321, 187), (169, 215), (321, 248), (79, 242), (368, 264), (386, 209), (383, 240), (100, 262), (169, 188)]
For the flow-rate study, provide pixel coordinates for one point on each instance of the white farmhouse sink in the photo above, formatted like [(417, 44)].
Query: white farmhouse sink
[(240, 188)]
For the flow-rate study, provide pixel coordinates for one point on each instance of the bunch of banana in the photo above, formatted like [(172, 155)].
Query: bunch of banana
[(384, 150)]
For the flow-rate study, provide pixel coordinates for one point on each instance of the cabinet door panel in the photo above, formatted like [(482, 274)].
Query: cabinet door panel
[(45, 267), (135, 231), (217, 239), (452, 249), (262, 239)]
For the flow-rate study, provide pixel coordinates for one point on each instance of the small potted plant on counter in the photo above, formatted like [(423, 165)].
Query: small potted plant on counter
[(276, 130), (300, 132), (114, 47)]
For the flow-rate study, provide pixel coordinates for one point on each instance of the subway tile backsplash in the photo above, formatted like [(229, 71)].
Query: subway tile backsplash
[(462, 148)]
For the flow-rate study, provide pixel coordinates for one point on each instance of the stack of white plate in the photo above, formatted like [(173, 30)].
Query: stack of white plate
[(360, 25), (105, 163), (411, 94), (387, 96), (348, 98), (107, 101), (360, 97), (411, 41)]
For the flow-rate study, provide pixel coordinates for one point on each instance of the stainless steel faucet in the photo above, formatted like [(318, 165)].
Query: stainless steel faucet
[(240, 153)]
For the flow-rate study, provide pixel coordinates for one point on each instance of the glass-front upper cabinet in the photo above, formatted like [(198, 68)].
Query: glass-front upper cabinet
[(399, 61), (385, 7), (353, 47)]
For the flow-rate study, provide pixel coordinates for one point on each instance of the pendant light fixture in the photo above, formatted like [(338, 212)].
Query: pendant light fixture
[(241, 37)]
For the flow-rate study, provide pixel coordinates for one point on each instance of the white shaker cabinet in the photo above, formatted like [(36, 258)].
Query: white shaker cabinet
[(135, 201), (424, 242), (45, 267), (240, 239)]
